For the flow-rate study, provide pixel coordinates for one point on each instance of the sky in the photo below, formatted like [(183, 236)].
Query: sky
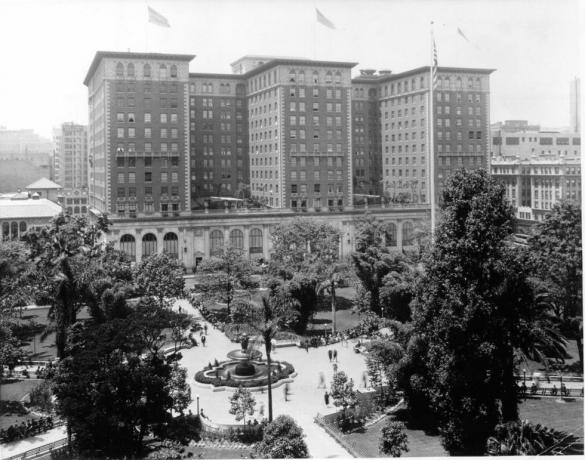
[(534, 45)]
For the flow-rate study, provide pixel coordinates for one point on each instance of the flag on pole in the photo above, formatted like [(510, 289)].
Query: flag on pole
[(460, 32), (435, 65), (323, 20), (157, 18)]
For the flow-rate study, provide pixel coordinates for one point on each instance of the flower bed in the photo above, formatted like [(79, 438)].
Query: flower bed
[(285, 371)]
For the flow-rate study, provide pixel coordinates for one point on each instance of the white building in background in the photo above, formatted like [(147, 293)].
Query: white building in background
[(575, 105)]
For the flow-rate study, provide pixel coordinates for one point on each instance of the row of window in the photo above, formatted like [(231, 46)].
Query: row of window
[(131, 133), (299, 76), (130, 71), (130, 177), (13, 230), (130, 117), (131, 191)]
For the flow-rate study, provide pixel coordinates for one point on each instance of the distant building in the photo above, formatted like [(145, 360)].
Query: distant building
[(517, 138), (45, 188), (70, 157), (24, 144), (20, 212), (74, 201), (534, 185), (575, 105)]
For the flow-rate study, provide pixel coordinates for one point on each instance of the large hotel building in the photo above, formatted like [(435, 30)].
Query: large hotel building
[(290, 133)]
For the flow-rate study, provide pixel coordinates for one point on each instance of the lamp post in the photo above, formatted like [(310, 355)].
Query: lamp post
[(524, 371), (198, 413)]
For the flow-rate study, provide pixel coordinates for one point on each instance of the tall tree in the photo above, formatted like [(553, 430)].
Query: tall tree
[(161, 277), (472, 306), (242, 403), (283, 438), (301, 249), (372, 260), (342, 391), (228, 273), (557, 248)]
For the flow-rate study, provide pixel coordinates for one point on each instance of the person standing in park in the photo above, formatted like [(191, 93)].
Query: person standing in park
[(335, 355), (205, 328), (330, 353), (326, 396), (203, 339), (286, 389), (334, 368)]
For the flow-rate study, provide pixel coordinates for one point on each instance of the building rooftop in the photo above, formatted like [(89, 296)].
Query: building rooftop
[(29, 209), (43, 184), (128, 55), (386, 75)]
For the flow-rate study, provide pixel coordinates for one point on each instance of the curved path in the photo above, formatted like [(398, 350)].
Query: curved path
[(305, 400)]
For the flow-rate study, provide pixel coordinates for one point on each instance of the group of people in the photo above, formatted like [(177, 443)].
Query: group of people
[(26, 429), (202, 336), (554, 391), (332, 355)]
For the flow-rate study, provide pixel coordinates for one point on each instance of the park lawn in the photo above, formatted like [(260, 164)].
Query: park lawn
[(567, 416), (17, 390), (216, 452), (7, 420)]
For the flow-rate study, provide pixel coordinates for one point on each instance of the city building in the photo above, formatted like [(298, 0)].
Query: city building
[(25, 145), (74, 201), (70, 159), (45, 188), (518, 139), (139, 133), (218, 126), (20, 212), (534, 185), (575, 105), (366, 137)]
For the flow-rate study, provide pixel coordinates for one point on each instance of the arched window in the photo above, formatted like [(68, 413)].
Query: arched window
[(477, 83), (237, 239), (22, 227), (292, 75), (84, 210), (5, 231), (76, 210), (315, 77), (407, 234), (240, 89), (148, 245), (216, 243), (128, 246), (458, 83), (14, 229), (372, 93), (413, 84), (328, 77), (130, 70), (119, 70), (69, 210), (337, 77), (302, 76), (171, 245), (470, 83), (446, 83), (146, 71), (391, 235), (256, 245), (173, 71), (162, 72)]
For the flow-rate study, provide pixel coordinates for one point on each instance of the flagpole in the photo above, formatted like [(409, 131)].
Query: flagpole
[(432, 138)]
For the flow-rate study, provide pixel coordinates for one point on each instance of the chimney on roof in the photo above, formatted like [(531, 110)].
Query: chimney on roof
[(384, 72)]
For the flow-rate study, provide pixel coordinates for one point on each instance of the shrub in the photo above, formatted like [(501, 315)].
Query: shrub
[(283, 438), (182, 429), (394, 440), (40, 396)]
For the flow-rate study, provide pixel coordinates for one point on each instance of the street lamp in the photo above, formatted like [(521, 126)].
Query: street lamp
[(198, 414), (524, 376)]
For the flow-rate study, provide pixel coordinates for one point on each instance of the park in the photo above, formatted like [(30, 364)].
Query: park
[(307, 355)]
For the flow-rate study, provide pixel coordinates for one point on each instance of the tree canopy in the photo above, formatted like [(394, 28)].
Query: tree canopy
[(283, 438)]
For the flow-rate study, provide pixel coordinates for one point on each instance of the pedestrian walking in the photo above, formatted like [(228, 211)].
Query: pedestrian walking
[(326, 396), (307, 346), (321, 380), (335, 355), (261, 410), (203, 340), (286, 392), (330, 353), (205, 327), (365, 379), (335, 368)]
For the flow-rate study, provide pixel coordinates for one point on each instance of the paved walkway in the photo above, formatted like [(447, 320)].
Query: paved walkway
[(305, 399), (19, 447)]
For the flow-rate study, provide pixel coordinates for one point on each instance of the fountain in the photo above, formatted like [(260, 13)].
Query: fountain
[(244, 367)]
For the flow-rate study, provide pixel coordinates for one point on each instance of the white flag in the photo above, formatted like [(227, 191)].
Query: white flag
[(157, 18), (323, 20)]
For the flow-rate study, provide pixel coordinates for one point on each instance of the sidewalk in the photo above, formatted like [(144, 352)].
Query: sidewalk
[(20, 447), (304, 401)]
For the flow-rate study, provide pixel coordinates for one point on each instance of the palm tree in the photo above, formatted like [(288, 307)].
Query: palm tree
[(334, 275)]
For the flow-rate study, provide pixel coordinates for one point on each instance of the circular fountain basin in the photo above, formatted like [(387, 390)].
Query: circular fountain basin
[(246, 371), (240, 355)]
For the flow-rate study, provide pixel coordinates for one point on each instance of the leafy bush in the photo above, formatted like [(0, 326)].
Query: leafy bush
[(524, 438), (283, 438), (40, 396), (12, 408), (182, 429), (394, 440)]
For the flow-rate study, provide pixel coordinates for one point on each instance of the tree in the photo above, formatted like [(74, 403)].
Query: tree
[(242, 402), (67, 243), (557, 248), (394, 440), (301, 248), (342, 392), (398, 289), (114, 386), (283, 438), (161, 277), (372, 260), (231, 271), (381, 361), (472, 309)]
